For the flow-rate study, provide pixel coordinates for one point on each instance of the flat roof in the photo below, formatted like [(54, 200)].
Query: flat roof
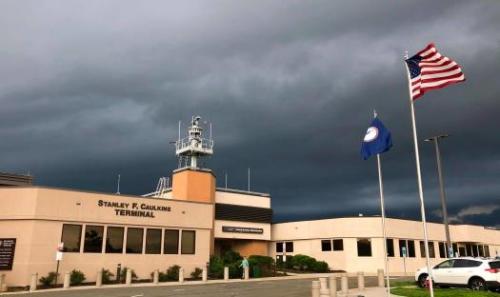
[(378, 216)]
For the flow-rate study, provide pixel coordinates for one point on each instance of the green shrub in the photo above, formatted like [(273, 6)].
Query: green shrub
[(123, 274), (289, 262), (162, 277), (173, 273), (76, 277), (230, 257), (216, 267), (235, 271), (320, 266), (106, 276), (263, 261), (302, 262), (49, 279), (196, 274)]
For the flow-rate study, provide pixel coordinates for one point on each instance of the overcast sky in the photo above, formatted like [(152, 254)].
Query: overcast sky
[(93, 89)]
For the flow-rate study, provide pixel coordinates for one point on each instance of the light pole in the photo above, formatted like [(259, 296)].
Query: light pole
[(435, 139)]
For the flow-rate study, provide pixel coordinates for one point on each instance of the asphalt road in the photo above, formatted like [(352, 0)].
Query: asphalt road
[(271, 288)]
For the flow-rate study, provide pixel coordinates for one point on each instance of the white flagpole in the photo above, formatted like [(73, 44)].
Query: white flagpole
[(381, 186), (419, 178)]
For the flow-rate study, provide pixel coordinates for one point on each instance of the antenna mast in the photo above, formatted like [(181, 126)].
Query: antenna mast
[(118, 185)]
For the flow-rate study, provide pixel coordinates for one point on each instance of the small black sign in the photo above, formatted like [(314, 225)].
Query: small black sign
[(242, 230), (7, 250)]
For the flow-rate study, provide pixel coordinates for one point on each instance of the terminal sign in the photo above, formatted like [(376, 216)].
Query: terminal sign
[(133, 209), (7, 250), (242, 230)]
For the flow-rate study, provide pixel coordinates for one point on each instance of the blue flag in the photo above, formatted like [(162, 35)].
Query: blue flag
[(377, 140)]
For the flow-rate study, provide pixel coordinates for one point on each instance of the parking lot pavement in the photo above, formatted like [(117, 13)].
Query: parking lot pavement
[(266, 288)]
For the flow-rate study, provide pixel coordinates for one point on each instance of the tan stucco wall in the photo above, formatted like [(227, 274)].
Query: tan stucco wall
[(246, 199), (307, 236), (193, 185), (35, 217)]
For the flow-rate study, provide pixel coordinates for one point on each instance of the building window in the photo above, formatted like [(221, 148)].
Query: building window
[(326, 245), (71, 237), (93, 239), (288, 247), (486, 251), (114, 240), (455, 249), (134, 240), (408, 246), (153, 241), (442, 250), (411, 248), (431, 249), (338, 244), (481, 251), (188, 242), (364, 248), (171, 242), (390, 247)]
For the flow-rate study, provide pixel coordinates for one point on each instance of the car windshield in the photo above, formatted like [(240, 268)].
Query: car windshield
[(495, 264)]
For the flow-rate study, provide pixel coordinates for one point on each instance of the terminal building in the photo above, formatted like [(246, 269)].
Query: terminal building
[(187, 222)]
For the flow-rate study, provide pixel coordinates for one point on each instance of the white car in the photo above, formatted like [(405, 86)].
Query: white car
[(476, 273)]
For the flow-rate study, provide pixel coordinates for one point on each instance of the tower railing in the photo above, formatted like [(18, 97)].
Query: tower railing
[(186, 144)]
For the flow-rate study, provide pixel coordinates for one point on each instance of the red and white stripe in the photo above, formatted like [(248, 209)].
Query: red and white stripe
[(436, 71)]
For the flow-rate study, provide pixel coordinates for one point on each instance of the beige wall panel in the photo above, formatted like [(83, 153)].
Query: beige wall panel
[(67, 205), (242, 199), (193, 185)]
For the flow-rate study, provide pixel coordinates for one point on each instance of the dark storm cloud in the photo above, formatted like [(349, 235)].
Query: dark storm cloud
[(91, 89)]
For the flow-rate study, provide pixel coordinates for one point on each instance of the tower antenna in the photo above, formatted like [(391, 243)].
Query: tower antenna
[(118, 185), (194, 147), (248, 186)]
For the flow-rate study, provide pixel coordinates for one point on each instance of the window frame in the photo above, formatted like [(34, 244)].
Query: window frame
[(165, 241), (194, 242), (390, 251), (107, 237), (147, 248), (327, 247), (65, 247), (336, 248), (358, 240), (85, 240), (128, 240)]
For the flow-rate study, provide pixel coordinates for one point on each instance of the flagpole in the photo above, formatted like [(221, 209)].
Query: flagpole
[(381, 186), (419, 179)]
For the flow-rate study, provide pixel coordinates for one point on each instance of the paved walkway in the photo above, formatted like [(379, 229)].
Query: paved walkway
[(291, 286)]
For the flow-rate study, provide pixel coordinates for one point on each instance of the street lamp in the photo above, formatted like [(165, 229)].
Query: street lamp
[(435, 139)]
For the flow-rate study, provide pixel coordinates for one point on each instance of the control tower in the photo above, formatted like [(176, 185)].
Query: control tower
[(194, 146), (189, 181)]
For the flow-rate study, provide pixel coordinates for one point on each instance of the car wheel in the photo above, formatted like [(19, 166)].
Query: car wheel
[(422, 280), (477, 284)]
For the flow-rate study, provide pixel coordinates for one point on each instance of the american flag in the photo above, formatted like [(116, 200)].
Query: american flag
[(430, 70)]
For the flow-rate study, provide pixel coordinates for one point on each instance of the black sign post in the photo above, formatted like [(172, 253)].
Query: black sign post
[(7, 251)]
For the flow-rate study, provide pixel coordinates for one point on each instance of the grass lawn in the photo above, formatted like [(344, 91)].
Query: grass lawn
[(410, 290)]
